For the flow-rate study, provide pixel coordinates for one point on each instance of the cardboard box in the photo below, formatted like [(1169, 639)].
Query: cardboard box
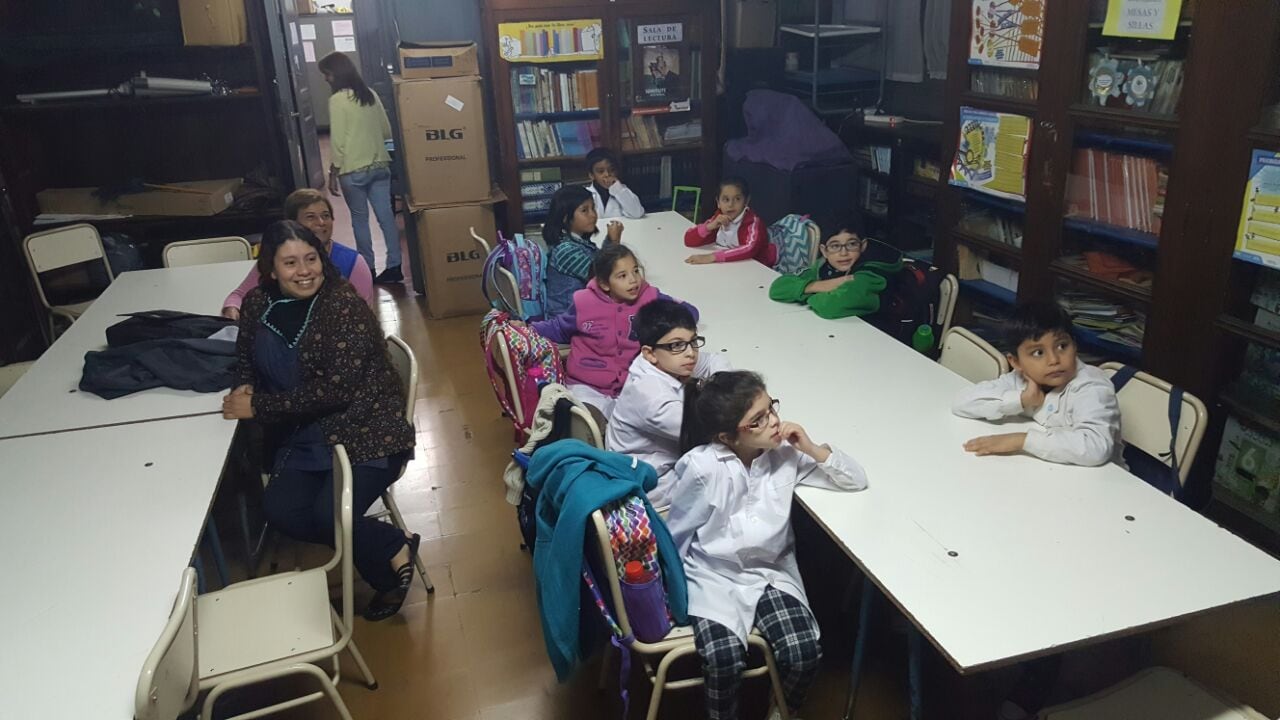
[(210, 197), (451, 261), (451, 58), (213, 22), (445, 152)]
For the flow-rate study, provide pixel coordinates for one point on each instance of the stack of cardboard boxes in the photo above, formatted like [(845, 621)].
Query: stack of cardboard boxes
[(440, 103)]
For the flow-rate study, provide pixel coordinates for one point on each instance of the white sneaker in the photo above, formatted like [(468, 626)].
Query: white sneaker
[(1011, 711)]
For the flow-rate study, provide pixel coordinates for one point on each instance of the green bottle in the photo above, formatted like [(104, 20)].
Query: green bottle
[(922, 340)]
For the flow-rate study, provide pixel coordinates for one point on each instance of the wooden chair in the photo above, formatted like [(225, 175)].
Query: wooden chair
[(206, 251), (971, 357), (948, 293)]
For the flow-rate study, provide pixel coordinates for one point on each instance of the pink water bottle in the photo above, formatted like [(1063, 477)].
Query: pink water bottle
[(646, 603)]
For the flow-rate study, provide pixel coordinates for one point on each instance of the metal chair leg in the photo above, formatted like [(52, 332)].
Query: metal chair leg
[(860, 644), (246, 536), (215, 547)]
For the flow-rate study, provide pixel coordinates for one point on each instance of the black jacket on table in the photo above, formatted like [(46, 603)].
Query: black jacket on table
[(348, 382)]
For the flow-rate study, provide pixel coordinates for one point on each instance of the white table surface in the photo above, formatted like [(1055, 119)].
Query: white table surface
[(46, 399), (95, 542), (1046, 556)]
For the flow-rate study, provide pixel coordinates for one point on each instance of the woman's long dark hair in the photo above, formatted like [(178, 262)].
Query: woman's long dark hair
[(560, 217), (715, 406), (276, 234), (345, 77)]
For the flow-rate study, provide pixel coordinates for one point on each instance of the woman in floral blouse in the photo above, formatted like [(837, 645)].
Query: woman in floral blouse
[(314, 372)]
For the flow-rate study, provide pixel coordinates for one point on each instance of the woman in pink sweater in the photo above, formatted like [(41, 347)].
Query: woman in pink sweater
[(311, 209), (738, 232), (599, 327)]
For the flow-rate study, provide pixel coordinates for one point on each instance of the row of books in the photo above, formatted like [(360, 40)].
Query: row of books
[(991, 225), (1112, 321), (537, 139), (1122, 190), (654, 177), (1111, 267), (873, 198), (1139, 82), (875, 157), (541, 90), (642, 132), (1004, 84)]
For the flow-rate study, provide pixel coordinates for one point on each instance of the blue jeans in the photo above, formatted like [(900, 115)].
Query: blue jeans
[(362, 188)]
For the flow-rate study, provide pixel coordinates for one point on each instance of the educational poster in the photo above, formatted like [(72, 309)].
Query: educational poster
[(1259, 237), (1007, 33), (550, 41), (992, 153), (1149, 19)]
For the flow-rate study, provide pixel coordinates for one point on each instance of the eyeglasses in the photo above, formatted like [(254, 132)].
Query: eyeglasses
[(762, 420), (679, 346), (851, 247)]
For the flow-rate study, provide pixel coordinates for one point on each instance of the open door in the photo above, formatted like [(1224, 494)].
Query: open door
[(297, 113)]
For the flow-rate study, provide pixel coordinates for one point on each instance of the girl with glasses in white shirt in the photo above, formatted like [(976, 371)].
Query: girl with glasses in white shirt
[(731, 523)]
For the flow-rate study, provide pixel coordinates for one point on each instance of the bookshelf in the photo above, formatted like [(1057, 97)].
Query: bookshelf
[(630, 76), (1148, 265)]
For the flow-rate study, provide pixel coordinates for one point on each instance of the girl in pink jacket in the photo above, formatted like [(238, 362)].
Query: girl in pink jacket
[(598, 328)]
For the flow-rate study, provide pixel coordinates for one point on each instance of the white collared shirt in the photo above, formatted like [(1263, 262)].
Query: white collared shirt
[(732, 525), (727, 236), (648, 415), (1078, 424), (623, 202)]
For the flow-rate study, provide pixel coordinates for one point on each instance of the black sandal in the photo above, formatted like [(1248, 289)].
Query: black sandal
[(386, 604)]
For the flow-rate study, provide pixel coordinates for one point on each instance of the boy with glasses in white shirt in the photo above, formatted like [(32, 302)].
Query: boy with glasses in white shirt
[(648, 413)]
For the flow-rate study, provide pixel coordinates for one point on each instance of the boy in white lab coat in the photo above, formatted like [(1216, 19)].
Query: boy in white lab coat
[(647, 415), (613, 199), (1074, 404)]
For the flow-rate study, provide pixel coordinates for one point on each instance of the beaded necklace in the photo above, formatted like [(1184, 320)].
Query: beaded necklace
[(305, 321)]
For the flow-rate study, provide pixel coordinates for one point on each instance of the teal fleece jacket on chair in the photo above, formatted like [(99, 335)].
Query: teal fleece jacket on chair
[(574, 480)]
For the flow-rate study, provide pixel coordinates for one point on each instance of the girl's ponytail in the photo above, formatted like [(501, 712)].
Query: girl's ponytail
[(692, 432)]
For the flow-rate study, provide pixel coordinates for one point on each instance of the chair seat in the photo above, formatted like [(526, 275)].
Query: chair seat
[(679, 635), (1157, 692), (71, 311), (263, 620)]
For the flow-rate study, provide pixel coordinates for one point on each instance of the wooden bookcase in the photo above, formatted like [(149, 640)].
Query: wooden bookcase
[(650, 169), (1196, 294)]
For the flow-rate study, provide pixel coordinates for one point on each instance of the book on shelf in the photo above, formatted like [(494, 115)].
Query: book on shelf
[(538, 139), (1003, 84), (654, 177), (991, 156), (873, 157), (1139, 82), (926, 169), (533, 190), (986, 223), (543, 90), (1113, 322), (540, 175), (873, 197), (1259, 235), (642, 132), (1126, 191)]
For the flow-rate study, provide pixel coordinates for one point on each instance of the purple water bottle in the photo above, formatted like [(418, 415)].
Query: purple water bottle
[(646, 603)]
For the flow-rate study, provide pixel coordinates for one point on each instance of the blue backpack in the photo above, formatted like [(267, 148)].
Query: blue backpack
[(528, 266), (1152, 469), (795, 237)]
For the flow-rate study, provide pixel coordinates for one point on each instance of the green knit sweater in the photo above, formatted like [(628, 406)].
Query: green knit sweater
[(860, 296)]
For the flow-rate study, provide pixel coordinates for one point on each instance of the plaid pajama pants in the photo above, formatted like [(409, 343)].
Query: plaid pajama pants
[(792, 632)]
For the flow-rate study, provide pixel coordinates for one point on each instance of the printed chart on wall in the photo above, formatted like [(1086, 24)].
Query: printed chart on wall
[(1007, 33), (550, 41), (992, 154), (1259, 237)]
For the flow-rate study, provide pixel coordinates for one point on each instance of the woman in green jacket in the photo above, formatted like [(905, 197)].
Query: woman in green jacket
[(846, 280)]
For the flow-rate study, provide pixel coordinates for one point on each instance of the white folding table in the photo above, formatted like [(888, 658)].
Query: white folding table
[(994, 559), (46, 398), (97, 526)]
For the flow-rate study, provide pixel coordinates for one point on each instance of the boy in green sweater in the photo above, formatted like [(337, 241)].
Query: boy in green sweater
[(846, 280)]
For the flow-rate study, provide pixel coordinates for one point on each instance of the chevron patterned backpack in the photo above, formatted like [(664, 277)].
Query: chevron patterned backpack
[(795, 237)]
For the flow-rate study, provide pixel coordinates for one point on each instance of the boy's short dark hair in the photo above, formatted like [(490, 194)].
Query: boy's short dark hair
[(735, 181), (660, 317), (601, 153), (840, 221), (1032, 320)]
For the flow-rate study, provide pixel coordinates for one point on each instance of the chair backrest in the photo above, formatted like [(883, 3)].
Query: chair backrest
[(1144, 419), (582, 426), (480, 242), (608, 567), (406, 365), (509, 291), (10, 374), (206, 251), (63, 247), (342, 511), (815, 240), (948, 293), (971, 357), (503, 360), (170, 678)]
